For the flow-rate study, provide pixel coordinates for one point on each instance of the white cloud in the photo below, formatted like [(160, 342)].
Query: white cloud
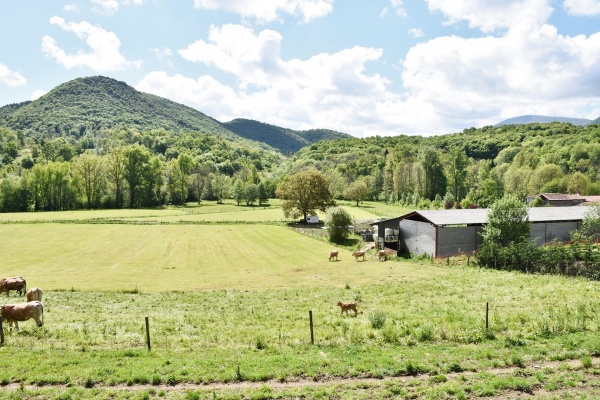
[(70, 7), (448, 83), (270, 10), (531, 69), (491, 15), (104, 55), (112, 6), (582, 7), (37, 94), (11, 78), (326, 90), (416, 32)]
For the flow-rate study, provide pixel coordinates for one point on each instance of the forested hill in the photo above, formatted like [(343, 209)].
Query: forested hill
[(286, 140), (87, 106)]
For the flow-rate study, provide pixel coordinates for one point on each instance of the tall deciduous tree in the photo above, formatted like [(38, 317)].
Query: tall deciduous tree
[(457, 173), (116, 173), (90, 177), (136, 165), (435, 178), (304, 193), (357, 191)]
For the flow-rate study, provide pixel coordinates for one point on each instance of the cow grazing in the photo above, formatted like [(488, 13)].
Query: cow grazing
[(17, 283), (358, 254), (348, 307), (22, 312), (382, 255), (333, 254), (34, 294)]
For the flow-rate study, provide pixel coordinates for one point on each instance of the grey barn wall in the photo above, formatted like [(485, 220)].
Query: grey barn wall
[(421, 237), (417, 237), (545, 232), (455, 240)]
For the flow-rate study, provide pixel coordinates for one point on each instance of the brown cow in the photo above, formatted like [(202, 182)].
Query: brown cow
[(22, 312), (17, 283), (34, 294), (347, 307), (358, 254), (334, 254), (382, 255)]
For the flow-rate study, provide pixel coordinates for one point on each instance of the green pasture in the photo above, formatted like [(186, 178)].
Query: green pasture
[(157, 257), (424, 319), (228, 309), (210, 212)]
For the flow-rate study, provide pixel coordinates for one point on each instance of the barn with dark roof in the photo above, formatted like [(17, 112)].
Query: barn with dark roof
[(443, 233)]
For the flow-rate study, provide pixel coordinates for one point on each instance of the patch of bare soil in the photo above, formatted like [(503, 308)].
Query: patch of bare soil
[(588, 386)]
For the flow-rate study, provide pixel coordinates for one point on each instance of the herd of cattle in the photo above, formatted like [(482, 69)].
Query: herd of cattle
[(33, 308), (381, 255)]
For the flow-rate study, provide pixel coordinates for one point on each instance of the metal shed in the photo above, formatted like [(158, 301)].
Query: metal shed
[(443, 233)]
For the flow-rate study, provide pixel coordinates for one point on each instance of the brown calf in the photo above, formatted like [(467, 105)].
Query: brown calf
[(358, 254), (348, 307), (333, 254)]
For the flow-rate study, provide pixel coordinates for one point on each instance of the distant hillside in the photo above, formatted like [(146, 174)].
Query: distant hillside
[(87, 106), (542, 119), (99, 103), (286, 140)]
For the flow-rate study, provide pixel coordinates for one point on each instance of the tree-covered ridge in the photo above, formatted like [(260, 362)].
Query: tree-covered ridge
[(285, 140), (476, 165), (86, 106)]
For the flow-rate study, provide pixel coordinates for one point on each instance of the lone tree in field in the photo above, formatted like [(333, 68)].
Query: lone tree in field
[(304, 193), (337, 225), (357, 191)]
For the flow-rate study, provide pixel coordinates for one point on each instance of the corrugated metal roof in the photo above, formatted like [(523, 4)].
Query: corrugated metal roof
[(478, 216), (562, 196)]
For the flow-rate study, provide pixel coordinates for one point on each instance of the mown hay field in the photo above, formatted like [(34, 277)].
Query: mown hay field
[(228, 309)]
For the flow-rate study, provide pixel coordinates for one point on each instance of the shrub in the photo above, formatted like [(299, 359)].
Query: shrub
[(377, 319), (337, 225)]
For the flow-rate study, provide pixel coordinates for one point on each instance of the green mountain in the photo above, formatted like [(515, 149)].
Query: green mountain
[(88, 106), (286, 140)]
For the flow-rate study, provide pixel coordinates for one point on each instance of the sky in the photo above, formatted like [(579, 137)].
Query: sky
[(362, 67)]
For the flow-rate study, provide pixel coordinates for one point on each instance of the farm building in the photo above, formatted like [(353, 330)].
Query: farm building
[(443, 233), (563, 200)]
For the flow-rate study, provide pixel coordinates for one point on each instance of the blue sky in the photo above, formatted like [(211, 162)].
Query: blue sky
[(364, 67)]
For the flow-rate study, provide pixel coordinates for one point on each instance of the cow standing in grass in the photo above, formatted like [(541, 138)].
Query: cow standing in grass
[(17, 284), (22, 312), (334, 254), (358, 254), (34, 294)]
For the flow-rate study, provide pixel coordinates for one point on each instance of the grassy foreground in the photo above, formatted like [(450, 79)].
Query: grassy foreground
[(228, 310)]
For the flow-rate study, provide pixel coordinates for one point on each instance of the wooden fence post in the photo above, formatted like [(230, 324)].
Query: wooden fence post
[(487, 311), (148, 334), (312, 336)]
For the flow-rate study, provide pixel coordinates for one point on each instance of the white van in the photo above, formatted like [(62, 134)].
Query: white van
[(312, 219)]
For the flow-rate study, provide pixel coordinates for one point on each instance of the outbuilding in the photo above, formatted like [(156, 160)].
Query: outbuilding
[(443, 233)]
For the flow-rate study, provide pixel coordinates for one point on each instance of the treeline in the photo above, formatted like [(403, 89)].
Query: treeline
[(130, 168), (468, 169), (126, 168)]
